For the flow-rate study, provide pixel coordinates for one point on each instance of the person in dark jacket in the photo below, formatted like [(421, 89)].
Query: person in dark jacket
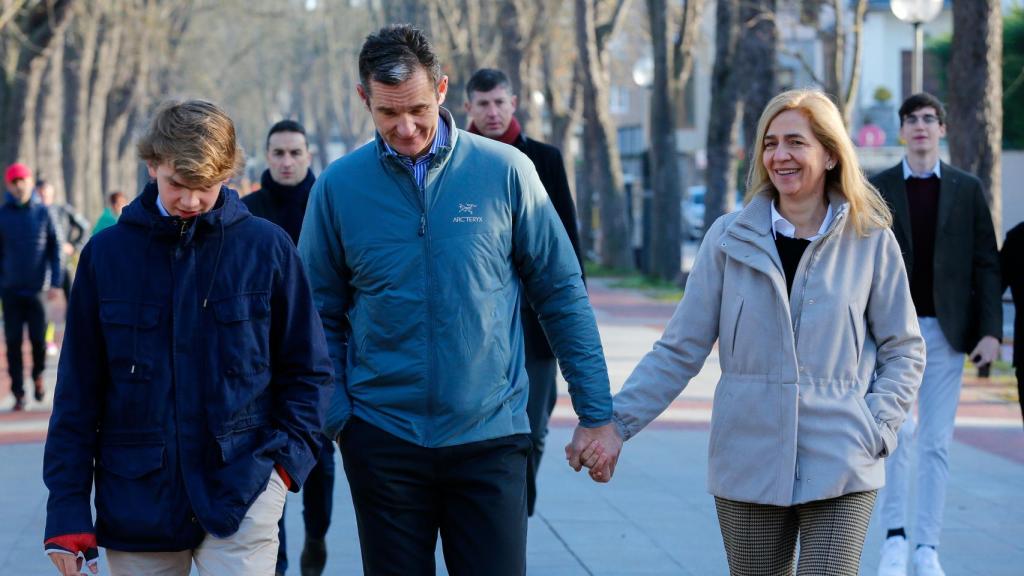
[(491, 107), (1012, 258), (282, 199), (194, 379), (30, 272), (944, 229)]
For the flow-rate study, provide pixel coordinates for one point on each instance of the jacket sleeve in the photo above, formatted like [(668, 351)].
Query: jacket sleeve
[(54, 251), (681, 351), (78, 228), (323, 256), (557, 185), (899, 361), (987, 279), (71, 439), (553, 281), (301, 377)]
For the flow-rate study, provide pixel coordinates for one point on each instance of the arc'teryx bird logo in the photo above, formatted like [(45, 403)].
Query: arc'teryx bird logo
[(466, 209)]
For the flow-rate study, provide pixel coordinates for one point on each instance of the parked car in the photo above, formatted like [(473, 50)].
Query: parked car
[(693, 209)]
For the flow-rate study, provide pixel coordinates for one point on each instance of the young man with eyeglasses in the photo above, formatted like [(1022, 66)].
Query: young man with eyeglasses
[(944, 228)]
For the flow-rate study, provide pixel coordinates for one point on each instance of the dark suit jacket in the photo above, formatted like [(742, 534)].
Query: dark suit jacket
[(967, 283), (551, 169), (1013, 276)]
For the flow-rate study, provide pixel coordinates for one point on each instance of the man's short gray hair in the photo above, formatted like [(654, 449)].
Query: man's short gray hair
[(394, 53)]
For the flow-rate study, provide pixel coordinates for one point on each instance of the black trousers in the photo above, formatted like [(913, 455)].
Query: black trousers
[(543, 373), (18, 311), (317, 503), (404, 494), (1020, 382)]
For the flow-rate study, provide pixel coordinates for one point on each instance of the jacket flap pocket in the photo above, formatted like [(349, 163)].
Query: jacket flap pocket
[(239, 442), (141, 314), (132, 460), (242, 307)]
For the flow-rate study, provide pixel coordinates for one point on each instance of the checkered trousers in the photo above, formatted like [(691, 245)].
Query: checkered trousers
[(760, 540)]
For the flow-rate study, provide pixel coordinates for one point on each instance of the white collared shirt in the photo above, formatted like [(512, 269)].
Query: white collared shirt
[(782, 226), (907, 172)]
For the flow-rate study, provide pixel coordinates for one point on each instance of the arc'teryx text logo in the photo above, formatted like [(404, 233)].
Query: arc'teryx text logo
[(466, 209)]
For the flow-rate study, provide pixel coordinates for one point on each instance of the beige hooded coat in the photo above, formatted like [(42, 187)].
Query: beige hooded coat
[(814, 386)]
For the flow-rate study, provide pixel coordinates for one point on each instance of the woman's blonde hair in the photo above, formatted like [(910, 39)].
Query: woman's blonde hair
[(197, 138), (867, 208)]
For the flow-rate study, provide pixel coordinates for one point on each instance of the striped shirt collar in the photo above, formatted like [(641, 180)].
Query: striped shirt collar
[(420, 165)]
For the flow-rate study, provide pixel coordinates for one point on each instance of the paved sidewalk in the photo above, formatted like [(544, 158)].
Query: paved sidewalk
[(655, 517)]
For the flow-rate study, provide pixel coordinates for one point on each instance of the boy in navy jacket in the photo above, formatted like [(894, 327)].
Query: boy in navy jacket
[(194, 376)]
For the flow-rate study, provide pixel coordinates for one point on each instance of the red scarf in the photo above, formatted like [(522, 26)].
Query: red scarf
[(511, 135)]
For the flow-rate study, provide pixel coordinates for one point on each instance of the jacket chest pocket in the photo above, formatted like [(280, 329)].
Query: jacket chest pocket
[(243, 333), (131, 337)]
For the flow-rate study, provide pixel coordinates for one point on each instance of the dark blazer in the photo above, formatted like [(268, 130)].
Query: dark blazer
[(967, 282), (551, 169), (1013, 276)]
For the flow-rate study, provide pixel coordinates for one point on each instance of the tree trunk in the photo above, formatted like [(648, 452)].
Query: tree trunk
[(103, 82), (80, 60), (41, 27), (519, 39), (725, 117), (48, 147), (758, 46), (663, 255), (976, 105), (601, 154)]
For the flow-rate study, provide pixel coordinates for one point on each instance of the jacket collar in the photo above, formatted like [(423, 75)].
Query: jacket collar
[(749, 237), (442, 152)]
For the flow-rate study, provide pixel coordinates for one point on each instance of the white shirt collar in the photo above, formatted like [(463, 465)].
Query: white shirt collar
[(782, 226), (907, 172), (160, 207)]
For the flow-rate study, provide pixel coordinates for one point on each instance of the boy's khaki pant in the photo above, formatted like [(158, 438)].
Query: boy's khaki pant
[(252, 551)]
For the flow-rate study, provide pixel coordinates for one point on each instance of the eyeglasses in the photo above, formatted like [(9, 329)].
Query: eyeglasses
[(926, 118)]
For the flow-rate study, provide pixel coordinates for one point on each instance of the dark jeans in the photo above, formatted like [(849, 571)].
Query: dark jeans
[(543, 373), (1020, 382), (474, 494), (18, 311), (317, 502)]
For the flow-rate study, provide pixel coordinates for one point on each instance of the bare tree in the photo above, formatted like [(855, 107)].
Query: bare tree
[(521, 36), (726, 113), (758, 49), (672, 65), (976, 104), (602, 165), (26, 51)]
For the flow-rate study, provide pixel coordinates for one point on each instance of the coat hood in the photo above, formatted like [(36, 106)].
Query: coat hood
[(142, 211)]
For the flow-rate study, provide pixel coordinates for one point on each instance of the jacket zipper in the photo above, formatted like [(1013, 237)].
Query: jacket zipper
[(431, 385)]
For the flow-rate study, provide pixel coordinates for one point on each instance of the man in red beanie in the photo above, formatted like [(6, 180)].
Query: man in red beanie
[(30, 269)]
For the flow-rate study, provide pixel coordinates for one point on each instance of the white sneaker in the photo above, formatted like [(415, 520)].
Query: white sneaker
[(926, 562), (894, 557)]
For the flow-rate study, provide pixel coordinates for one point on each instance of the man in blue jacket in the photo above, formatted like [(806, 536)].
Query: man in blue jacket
[(418, 247), (30, 272), (194, 377)]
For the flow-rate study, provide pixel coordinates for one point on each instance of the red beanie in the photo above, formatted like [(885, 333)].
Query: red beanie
[(16, 171)]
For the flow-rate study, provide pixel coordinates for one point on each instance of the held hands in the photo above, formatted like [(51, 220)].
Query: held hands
[(597, 449), (986, 352)]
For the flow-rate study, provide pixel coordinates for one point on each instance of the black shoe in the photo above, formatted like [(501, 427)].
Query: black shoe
[(40, 391), (314, 557), (19, 403)]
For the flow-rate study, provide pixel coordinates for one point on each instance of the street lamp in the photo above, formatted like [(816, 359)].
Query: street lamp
[(917, 12)]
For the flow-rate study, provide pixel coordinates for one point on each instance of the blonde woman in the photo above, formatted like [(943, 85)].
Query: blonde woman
[(806, 293)]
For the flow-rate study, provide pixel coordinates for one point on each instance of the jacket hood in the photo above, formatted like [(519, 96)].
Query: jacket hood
[(143, 212)]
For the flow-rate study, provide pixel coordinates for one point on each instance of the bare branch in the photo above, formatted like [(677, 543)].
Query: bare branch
[(604, 31)]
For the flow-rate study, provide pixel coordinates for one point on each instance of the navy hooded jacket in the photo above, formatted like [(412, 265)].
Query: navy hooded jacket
[(30, 255), (193, 361)]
